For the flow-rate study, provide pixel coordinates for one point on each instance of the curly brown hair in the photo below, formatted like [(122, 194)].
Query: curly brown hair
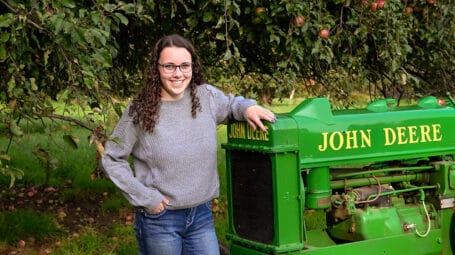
[(145, 108)]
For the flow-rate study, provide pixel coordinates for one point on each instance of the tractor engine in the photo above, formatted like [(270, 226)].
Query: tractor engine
[(374, 211)]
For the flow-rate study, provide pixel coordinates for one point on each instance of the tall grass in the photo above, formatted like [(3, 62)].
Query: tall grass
[(25, 224)]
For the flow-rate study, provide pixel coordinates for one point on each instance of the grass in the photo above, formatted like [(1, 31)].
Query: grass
[(26, 224), (114, 203), (70, 162), (90, 242)]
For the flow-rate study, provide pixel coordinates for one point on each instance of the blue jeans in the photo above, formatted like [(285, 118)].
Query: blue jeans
[(177, 232)]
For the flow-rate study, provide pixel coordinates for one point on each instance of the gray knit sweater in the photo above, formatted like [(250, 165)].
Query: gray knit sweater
[(179, 159)]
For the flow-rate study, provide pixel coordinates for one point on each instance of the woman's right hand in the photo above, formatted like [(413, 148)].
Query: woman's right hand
[(160, 207)]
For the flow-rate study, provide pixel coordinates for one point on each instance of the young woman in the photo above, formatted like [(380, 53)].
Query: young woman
[(169, 131)]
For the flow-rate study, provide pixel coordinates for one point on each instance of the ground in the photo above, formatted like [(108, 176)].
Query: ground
[(71, 214)]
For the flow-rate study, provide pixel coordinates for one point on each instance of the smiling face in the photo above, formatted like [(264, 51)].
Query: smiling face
[(174, 83)]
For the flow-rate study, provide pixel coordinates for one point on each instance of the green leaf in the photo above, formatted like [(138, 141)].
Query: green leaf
[(15, 129), (221, 21), (63, 96), (110, 7), (58, 24), (4, 37), (207, 17), (41, 154), (316, 49), (2, 52), (13, 173), (33, 84), (77, 36), (131, 8), (95, 17), (11, 84), (97, 33), (282, 64), (227, 55), (103, 56), (6, 20), (67, 27), (122, 18), (68, 3), (71, 141), (46, 56), (275, 38), (220, 36)]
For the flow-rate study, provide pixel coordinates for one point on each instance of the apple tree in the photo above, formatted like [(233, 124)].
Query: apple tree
[(51, 51)]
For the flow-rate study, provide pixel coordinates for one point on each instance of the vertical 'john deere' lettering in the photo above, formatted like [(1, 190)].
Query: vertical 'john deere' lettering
[(240, 130)]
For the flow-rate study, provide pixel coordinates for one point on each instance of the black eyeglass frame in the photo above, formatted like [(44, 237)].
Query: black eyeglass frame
[(170, 67)]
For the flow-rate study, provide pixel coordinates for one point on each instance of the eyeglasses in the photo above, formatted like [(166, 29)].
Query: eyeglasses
[(170, 68)]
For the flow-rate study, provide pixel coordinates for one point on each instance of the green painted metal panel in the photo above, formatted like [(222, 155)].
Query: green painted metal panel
[(391, 245), (288, 202)]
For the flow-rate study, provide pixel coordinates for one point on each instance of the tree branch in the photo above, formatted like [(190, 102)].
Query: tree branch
[(72, 120)]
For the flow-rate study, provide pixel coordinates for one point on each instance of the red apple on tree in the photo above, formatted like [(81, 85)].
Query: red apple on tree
[(381, 4), (298, 21), (324, 33), (374, 6), (409, 10), (431, 1)]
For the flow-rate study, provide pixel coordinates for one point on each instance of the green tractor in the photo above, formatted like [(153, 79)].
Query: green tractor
[(379, 180)]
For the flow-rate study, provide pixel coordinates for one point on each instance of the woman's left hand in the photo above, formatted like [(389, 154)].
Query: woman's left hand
[(255, 113)]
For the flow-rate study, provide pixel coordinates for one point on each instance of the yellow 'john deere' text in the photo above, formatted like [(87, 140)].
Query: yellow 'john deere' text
[(412, 134), (357, 139), (241, 130), (351, 139)]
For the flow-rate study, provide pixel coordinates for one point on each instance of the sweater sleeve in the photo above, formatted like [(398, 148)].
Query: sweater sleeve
[(118, 169), (228, 106)]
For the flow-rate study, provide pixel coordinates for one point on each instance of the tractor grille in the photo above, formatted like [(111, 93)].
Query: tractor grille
[(252, 193)]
